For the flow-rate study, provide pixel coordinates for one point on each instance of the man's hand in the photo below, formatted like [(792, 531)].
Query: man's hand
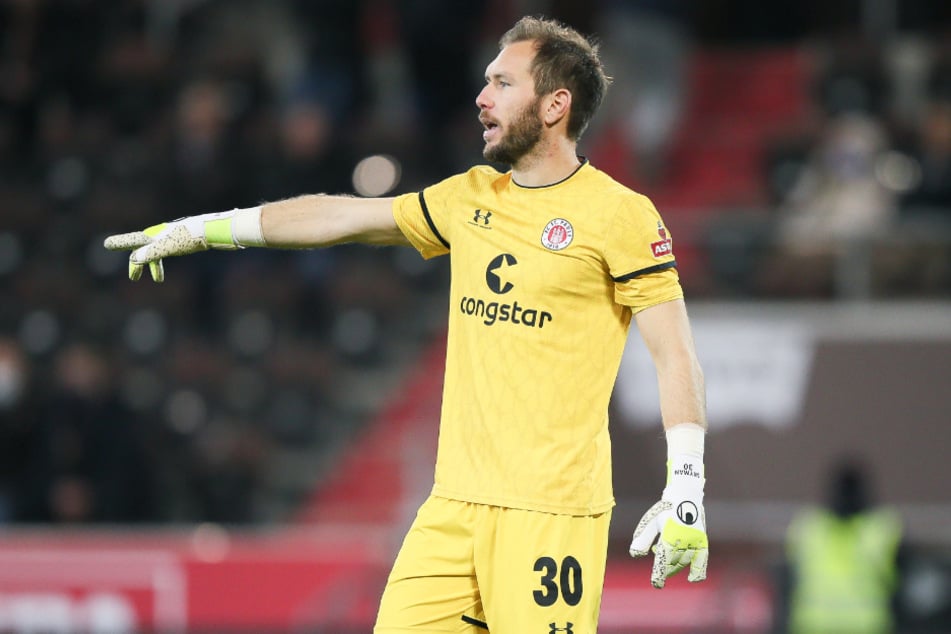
[(678, 518), (226, 230), (680, 544)]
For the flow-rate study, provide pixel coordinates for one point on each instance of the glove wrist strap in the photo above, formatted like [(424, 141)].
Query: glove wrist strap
[(246, 228), (217, 232), (685, 438), (685, 444)]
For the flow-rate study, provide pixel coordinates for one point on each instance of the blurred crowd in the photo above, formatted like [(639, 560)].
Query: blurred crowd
[(860, 192), (218, 395)]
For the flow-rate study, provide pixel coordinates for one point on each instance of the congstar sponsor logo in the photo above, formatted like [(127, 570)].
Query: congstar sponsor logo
[(491, 312)]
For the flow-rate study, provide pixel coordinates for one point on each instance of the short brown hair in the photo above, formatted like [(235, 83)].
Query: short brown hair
[(563, 59)]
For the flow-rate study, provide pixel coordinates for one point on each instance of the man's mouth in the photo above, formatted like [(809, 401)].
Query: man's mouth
[(490, 128)]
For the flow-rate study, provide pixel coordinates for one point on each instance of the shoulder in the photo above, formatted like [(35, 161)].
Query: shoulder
[(887, 519), (475, 177), (618, 194), (485, 172)]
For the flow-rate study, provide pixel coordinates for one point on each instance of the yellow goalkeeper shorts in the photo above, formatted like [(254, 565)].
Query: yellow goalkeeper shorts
[(474, 568)]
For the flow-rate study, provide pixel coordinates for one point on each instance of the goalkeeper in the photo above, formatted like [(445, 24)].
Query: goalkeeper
[(551, 262)]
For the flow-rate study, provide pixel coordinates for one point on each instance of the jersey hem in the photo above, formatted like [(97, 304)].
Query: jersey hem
[(541, 507), (670, 264)]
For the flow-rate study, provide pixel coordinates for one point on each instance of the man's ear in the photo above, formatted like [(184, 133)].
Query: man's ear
[(557, 107)]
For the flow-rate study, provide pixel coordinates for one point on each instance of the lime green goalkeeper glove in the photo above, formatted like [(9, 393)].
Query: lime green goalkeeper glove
[(234, 229), (678, 517)]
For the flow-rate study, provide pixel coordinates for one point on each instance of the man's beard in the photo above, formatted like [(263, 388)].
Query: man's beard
[(520, 139)]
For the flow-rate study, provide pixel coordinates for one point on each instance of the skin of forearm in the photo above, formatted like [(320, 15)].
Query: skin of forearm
[(317, 220), (666, 333), (682, 391)]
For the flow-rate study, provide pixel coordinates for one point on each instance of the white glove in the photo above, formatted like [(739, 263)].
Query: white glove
[(678, 517), (233, 229)]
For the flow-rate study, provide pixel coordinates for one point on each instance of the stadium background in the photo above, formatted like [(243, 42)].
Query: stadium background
[(241, 448)]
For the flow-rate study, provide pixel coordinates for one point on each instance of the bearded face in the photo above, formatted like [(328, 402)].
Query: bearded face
[(520, 137)]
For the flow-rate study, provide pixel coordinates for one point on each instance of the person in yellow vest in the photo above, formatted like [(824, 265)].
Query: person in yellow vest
[(844, 561)]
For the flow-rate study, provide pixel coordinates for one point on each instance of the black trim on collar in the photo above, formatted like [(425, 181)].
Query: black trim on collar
[(429, 220), (651, 269), (584, 161)]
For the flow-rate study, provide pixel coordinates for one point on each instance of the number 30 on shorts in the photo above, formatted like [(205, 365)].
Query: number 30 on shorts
[(568, 577)]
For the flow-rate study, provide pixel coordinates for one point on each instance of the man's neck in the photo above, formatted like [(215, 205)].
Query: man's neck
[(546, 165)]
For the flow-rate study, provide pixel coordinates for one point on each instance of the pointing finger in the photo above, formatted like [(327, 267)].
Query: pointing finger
[(126, 241)]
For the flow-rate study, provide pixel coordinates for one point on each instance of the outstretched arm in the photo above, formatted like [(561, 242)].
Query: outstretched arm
[(319, 221), (297, 223)]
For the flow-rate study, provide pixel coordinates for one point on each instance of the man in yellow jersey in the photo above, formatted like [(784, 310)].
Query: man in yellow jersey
[(550, 262)]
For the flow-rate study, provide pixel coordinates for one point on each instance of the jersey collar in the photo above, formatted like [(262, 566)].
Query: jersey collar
[(583, 160)]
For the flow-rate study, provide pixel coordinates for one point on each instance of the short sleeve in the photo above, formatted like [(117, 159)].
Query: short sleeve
[(640, 256), (414, 219)]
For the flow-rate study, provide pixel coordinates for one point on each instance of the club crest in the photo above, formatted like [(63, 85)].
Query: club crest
[(558, 234)]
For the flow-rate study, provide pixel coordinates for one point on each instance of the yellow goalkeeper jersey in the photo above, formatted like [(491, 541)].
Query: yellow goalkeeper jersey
[(544, 282)]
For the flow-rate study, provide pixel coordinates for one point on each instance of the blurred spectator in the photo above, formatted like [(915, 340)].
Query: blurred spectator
[(200, 157), (852, 77), (844, 563), (441, 42), (930, 193), (839, 196), (645, 47), (85, 459), (836, 200), (308, 153), (334, 66), (939, 79), (917, 257), (226, 463), (18, 413)]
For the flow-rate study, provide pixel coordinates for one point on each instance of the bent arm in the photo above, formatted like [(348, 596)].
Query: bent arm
[(316, 220), (667, 335)]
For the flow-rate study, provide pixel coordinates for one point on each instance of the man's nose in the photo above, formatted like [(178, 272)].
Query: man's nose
[(482, 99)]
